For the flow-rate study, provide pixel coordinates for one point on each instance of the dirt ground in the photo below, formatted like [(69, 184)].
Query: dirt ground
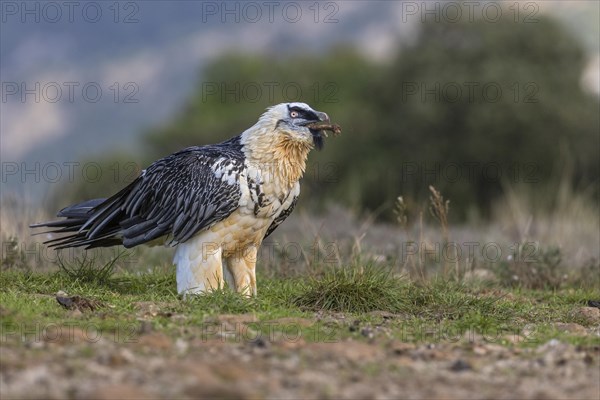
[(231, 360)]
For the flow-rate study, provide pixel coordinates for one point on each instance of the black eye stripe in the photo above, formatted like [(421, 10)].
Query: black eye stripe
[(302, 113)]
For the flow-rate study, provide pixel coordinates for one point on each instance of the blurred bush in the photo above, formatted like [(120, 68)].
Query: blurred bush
[(541, 121), (467, 107)]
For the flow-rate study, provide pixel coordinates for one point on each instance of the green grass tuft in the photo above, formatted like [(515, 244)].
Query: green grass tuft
[(353, 289), (84, 269)]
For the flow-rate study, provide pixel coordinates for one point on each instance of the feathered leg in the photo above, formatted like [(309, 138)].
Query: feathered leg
[(242, 268), (199, 267)]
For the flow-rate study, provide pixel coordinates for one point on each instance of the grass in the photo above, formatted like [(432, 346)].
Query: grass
[(431, 301), (354, 289), (84, 269), (439, 310)]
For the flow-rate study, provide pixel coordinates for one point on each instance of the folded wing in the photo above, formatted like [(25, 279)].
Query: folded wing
[(175, 198)]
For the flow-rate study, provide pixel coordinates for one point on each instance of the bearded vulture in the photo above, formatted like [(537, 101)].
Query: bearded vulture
[(216, 203)]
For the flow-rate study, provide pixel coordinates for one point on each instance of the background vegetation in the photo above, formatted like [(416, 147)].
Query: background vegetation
[(469, 107)]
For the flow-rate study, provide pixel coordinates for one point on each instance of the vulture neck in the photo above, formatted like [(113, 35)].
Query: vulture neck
[(277, 154)]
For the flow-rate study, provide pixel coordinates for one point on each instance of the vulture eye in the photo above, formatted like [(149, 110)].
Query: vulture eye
[(294, 114)]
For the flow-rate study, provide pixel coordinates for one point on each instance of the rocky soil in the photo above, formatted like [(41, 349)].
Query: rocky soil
[(228, 359)]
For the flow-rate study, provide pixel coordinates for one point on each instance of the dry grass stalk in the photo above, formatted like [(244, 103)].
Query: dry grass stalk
[(415, 268), (422, 270), (439, 210)]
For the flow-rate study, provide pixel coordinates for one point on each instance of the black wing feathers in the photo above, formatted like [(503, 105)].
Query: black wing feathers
[(178, 196)]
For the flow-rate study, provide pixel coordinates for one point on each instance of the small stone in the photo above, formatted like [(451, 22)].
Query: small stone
[(460, 365), (259, 342), (367, 332), (181, 346)]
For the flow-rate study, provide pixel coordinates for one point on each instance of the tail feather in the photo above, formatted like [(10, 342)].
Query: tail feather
[(110, 238), (89, 224), (75, 215), (80, 209)]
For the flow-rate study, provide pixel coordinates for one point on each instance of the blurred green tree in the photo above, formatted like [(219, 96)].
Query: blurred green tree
[(498, 102)]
